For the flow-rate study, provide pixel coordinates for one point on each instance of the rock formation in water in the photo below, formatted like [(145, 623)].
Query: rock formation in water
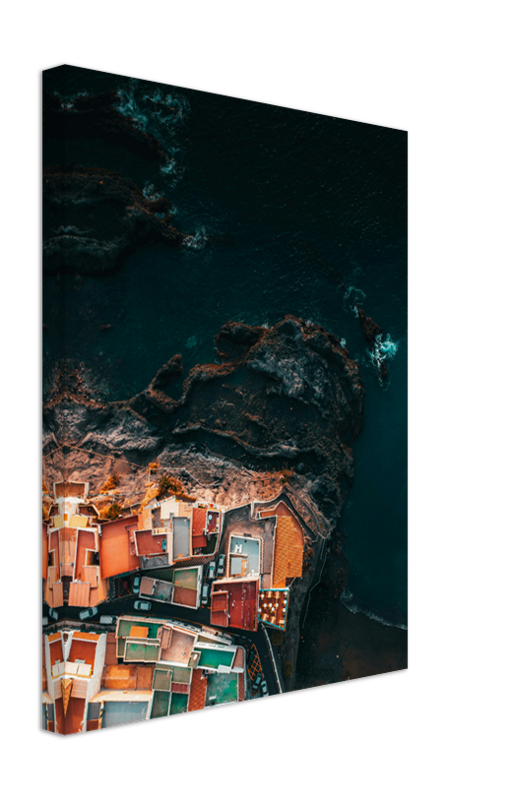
[(93, 116), (373, 335), (106, 218)]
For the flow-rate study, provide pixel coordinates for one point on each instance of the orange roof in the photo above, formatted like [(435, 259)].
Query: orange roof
[(82, 650), (87, 637), (116, 556), (89, 575), (86, 541), (79, 594), (288, 552), (199, 522), (58, 595), (54, 636), (119, 676), (138, 631)]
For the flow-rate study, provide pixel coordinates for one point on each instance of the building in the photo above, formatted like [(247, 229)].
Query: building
[(71, 568), (172, 530), (183, 588), (147, 668), (263, 542)]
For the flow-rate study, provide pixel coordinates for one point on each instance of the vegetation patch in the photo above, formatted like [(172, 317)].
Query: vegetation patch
[(111, 483)]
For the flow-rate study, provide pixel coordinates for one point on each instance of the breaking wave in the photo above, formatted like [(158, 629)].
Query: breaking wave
[(197, 241), (346, 598), (160, 114), (383, 350)]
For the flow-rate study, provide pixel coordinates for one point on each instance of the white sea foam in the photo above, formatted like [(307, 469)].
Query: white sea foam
[(382, 351), (347, 600), (351, 298), (196, 242)]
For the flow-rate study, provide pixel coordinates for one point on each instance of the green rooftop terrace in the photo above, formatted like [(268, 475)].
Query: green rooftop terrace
[(136, 651)]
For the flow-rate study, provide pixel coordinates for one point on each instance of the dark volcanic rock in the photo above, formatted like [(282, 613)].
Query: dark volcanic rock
[(92, 116), (294, 398), (373, 335), (369, 328), (119, 219)]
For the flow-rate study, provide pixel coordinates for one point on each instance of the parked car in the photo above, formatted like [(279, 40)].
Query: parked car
[(88, 612), (264, 688), (257, 682), (44, 622), (205, 594), (142, 605), (220, 564), (107, 620), (251, 657), (212, 570), (136, 584), (53, 614)]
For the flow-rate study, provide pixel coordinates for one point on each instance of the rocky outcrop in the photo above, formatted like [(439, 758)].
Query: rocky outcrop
[(292, 397), (119, 219), (97, 116), (373, 335)]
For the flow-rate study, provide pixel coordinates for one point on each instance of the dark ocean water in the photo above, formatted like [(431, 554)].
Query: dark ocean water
[(288, 213)]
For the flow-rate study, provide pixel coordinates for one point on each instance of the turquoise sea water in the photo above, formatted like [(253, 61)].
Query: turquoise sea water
[(287, 213)]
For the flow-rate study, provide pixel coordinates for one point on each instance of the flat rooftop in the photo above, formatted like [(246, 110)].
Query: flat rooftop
[(181, 537), (180, 649), (119, 712), (222, 688)]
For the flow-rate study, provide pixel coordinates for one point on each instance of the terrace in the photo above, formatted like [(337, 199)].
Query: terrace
[(211, 658), (180, 649), (273, 606), (181, 537), (222, 689)]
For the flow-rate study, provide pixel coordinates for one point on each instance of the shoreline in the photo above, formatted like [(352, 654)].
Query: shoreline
[(338, 644)]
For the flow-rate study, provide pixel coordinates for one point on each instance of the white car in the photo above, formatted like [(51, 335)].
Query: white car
[(220, 564), (264, 688), (107, 620), (212, 570), (205, 594), (142, 605), (88, 612)]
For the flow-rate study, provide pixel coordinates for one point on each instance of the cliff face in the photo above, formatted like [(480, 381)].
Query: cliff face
[(279, 410)]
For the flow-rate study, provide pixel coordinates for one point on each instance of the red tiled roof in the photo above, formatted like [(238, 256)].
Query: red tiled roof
[(242, 602), (180, 688), (150, 545), (199, 522), (111, 648), (198, 690)]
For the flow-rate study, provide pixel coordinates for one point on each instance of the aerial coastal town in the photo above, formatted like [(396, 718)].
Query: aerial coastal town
[(163, 610)]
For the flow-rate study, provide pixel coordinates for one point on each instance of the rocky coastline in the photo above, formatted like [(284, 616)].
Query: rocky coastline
[(277, 413)]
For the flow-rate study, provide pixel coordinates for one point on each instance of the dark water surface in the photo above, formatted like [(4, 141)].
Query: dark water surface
[(288, 213)]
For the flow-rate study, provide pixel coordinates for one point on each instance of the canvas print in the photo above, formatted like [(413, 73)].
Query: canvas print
[(224, 400)]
